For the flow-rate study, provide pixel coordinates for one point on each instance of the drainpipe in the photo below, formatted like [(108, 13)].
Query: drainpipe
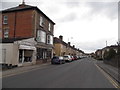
[(15, 26)]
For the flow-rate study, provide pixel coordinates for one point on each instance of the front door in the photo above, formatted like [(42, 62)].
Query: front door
[(21, 57)]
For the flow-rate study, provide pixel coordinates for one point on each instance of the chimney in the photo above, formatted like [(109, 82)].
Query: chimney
[(69, 43), (61, 37), (73, 46), (23, 4)]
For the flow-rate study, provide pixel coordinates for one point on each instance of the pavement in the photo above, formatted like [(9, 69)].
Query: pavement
[(111, 70), (21, 69)]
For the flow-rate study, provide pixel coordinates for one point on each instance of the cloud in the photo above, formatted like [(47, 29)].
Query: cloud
[(6, 5), (92, 46), (68, 18), (110, 9)]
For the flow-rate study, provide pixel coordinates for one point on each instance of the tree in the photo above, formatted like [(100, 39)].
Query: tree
[(109, 54), (106, 55), (112, 53)]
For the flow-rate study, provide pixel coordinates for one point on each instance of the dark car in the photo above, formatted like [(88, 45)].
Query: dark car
[(57, 60)]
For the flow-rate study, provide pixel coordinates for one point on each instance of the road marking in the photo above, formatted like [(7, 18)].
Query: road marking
[(23, 71), (108, 77)]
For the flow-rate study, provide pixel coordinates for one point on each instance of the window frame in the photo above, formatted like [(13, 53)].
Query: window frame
[(41, 36), (5, 33), (50, 39), (49, 27), (41, 21), (5, 19)]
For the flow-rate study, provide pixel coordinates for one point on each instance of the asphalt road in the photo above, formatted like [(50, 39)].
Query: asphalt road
[(82, 73)]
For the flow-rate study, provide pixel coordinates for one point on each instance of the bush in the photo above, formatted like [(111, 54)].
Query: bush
[(109, 54)]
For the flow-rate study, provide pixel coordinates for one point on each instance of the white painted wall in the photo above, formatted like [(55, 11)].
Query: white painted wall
[(11, 55)]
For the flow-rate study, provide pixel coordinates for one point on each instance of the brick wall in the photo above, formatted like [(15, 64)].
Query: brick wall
[(19, 23)]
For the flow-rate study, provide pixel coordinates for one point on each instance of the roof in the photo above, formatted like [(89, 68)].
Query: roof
[(57, 40), (22, 7)]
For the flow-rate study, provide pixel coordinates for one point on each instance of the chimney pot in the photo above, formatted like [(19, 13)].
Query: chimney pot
[(61, 37)]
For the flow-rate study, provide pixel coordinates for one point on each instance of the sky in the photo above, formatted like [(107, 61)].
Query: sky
[(87, 24)]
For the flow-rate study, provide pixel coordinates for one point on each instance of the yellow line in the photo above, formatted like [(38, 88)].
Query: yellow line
[(108, 77)]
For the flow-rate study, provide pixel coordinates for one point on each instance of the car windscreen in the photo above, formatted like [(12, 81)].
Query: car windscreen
[(55, 57), (65, 56)]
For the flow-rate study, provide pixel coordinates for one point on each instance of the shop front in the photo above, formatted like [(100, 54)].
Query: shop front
[(26, 55), (44, 55)]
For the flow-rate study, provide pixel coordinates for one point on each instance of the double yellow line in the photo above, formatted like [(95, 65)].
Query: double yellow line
[(114, 83)]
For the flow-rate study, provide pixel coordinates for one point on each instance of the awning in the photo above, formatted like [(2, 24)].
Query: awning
[(27, 47)]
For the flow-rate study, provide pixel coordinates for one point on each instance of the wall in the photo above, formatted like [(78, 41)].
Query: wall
[(11, 56), (19, 22), (57, 49)]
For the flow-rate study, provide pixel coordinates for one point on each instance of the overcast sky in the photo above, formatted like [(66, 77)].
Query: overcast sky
[(87, 24)]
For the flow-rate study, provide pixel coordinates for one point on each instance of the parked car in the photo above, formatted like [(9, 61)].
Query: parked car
[(72, 58), (67, 58), (57, 60), (75, 57)]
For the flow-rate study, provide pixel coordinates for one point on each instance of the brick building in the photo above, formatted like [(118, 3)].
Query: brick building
[(30, 30)]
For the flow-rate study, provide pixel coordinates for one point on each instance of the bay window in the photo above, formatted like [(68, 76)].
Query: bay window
[(49, 39), (41, 36)]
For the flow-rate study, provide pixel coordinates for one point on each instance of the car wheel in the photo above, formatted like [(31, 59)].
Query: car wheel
[(60, 62)]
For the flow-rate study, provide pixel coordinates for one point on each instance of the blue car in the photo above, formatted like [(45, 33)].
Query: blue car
[(57, 60)]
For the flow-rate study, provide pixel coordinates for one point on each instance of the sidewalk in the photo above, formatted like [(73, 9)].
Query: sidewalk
[(112, 71), (22, 69)]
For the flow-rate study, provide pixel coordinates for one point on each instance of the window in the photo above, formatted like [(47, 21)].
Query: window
[(49, 39), (5, 19), (6, 33), (49, 27), (41, 36), (41, 21)]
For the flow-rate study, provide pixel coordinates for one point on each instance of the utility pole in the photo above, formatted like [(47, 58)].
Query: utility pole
[(106, 43)]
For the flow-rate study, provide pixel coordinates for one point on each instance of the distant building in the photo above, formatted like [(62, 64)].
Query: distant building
[(62, 48), (99, 54), (27, 35)]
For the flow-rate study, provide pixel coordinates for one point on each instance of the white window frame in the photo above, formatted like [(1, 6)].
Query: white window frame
[(5, 19), (41, 21), (6, 33), (49, 27), (50, 39)]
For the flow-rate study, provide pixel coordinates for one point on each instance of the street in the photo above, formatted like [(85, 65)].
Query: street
[(82, 73)]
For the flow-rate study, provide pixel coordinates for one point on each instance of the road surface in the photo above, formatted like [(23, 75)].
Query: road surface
[(82, 73)]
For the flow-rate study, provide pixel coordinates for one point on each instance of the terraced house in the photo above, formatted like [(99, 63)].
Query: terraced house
[(62, 48), (27, 36)]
